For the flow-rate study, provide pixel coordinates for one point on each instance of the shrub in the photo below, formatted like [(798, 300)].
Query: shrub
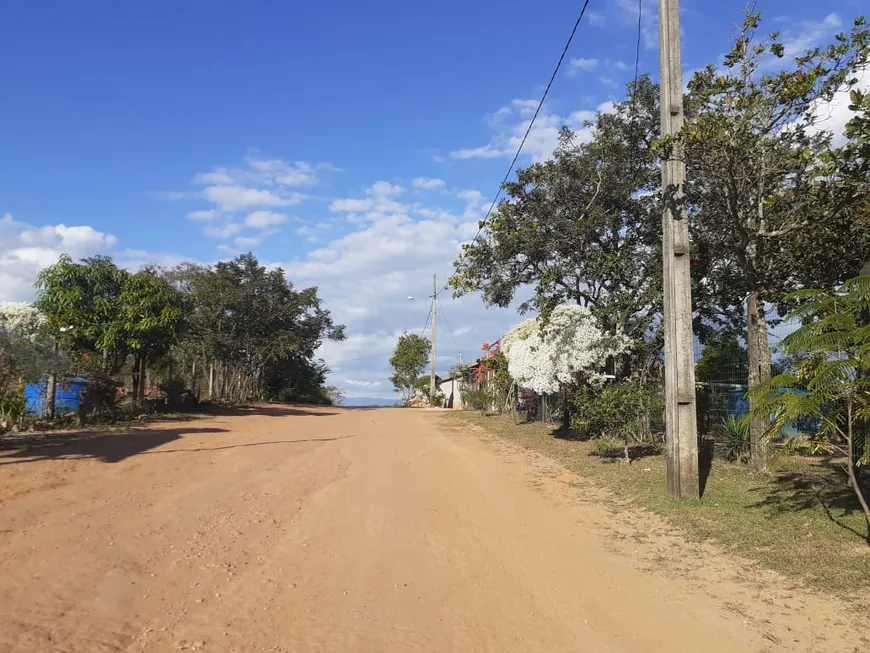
[(480, 399), (732, 439), (622, 411)]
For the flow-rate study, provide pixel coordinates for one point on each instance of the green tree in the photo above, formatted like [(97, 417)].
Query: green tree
[(838, 247), (252, 331), (335, 395), (752, 144), (833, 350), (723, 361), (581, 227), (82, 306), (408, 361), (152, 311)]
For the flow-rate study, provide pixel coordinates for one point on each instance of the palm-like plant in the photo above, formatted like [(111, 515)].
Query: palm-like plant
[(833, 363), (732, 439)]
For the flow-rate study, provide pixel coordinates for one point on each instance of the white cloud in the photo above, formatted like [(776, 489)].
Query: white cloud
[(264, 219), (239, 198), (385, 189), (246, 241), (366, 276), (576, 66), (202, 215), (351, 205), (135, 259), (257, 185), (597, 19), (223, 231), (357, 383), (618, 65), (832, 116), (807, 34), (218, 176), (26, 250), (482, 152), (257, 171), (297, 173), (427, 183), (378, 203), (510, 123), (627, 14)]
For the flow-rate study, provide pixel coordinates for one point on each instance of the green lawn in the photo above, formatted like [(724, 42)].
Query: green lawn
[(801, 519)]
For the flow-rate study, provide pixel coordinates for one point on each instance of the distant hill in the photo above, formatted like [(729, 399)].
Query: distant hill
[(368, 401)]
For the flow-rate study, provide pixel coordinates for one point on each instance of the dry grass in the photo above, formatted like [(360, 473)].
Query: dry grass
[(801, 519)]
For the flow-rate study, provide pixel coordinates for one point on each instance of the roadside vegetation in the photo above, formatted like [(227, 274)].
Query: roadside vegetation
[(102, 344), (799, 518), (778, 207)]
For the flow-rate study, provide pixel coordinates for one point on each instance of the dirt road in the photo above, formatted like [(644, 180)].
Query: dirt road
[(325, 530)]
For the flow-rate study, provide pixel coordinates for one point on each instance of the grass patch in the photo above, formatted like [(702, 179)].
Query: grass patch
[(801, 519)]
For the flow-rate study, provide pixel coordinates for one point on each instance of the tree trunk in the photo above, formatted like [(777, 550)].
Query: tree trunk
[(853, 477), (758, 350), (51, 389), (137, 379), (211, 382), (50, 396), (140, 379), (566, 412)]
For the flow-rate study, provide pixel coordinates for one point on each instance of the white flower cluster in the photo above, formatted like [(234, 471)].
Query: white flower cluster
[(570, 345), (20, 320)]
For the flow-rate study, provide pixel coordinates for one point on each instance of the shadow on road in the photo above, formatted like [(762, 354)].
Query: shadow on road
[(251, 444), (108, 447), (264, 410), (277, 410)]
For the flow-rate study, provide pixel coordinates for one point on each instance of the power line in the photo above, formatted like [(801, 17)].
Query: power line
[(633, 108), (449, 330), (639, 35), (529, 129), (428, 317)]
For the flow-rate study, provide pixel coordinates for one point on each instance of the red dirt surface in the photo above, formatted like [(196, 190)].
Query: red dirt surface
[(324, 530)]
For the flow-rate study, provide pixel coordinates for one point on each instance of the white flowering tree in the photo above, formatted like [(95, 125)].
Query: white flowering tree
[(25, 347), (569, 347), (20, 320), (20, 326)]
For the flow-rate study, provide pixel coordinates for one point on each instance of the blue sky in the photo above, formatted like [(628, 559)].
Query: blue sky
[(355, 144)]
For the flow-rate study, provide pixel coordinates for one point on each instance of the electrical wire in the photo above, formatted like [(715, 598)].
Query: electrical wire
[(528, 130), (428, 317), (633, 109), (450, 331)]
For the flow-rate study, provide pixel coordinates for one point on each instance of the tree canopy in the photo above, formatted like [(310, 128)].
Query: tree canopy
[(241, 326), (408, 361)]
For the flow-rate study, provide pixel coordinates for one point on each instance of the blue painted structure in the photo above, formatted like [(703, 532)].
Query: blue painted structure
[(66, 399), (737, 406)]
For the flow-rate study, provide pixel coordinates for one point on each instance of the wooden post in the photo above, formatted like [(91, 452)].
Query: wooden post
[(434, 318), (680, 416)]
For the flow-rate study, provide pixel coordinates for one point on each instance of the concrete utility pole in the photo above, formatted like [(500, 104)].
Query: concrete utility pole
[(434, 319), (680, 419)]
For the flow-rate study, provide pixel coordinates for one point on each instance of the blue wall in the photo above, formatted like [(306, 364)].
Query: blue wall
[(66, 396), (737, 406)]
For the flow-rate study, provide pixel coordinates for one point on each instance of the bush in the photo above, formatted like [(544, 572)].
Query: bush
[(12, 408), (622, 411), (608, 448), (478, 399), (732, 439)]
